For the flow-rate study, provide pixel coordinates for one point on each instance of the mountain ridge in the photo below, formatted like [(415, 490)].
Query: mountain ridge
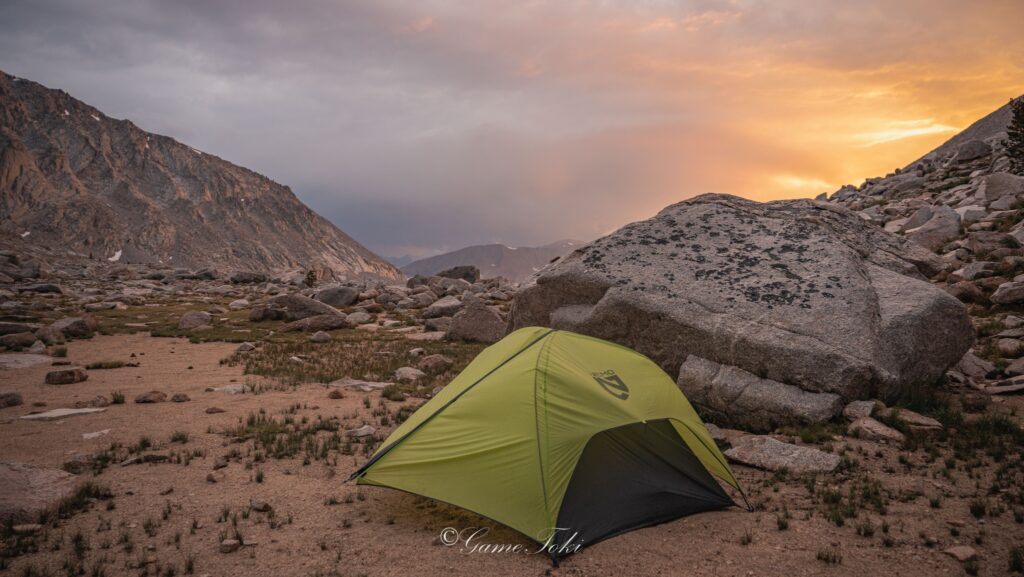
[(96, 186)]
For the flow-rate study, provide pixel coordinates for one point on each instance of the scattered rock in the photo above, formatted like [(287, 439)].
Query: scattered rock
[(360, 318), (364, 431), (214, 410), (177, 398), (75, 327), (477, 322), (229, 545), (872, 430), (320, 323), (18, 340), (10, 399), (55, 414), (340, 296), (320, 337), (259, 506), (767, 453), (961, 553), (409, 375), (238, 304), (915, 422), (1008, 293), (940, 228), (151, 397), (247, 277), (194, 320), (444, 307), (298, 307), (97, 401), (972, 150), (245, 348), (434, 364), (66, 376)]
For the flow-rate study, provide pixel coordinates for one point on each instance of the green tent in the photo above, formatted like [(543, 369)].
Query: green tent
[(565, 438)]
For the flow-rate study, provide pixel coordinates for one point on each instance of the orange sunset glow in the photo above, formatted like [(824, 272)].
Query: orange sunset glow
[(536, 119)]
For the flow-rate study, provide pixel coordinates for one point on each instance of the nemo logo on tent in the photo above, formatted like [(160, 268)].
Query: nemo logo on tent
[(611, 382)]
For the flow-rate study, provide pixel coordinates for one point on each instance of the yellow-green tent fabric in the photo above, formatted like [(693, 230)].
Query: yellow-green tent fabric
[(565, 438)]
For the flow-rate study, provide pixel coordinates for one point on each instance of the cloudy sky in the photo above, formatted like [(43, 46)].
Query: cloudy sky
[(430, 125)]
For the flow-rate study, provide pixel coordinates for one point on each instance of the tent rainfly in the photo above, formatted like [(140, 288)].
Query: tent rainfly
[(565, 438)]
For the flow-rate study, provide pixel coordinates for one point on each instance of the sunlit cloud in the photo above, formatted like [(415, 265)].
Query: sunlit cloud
[(903, 129), (416, 126)]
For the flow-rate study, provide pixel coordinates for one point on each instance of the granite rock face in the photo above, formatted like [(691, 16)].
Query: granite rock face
[(798, 292), (733, 395)]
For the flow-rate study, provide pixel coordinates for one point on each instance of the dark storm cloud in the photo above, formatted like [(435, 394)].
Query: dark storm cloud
[(420, 126)]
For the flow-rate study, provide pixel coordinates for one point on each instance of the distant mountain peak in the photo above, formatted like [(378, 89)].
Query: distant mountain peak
[(496, 260)]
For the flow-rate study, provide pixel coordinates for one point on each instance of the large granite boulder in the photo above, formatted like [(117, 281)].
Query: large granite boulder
[(798, 292)]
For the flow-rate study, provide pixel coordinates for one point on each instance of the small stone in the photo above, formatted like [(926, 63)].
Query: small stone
[(260, 506), (214, 410), (417, 352), (916, 422), (320, 337), (335, 394), (229, 545), (409, 375), (245, 348), (767, 453), (364, 431), (872, 430), (66, 376), (961, 553), (180, 398), (434, 364), (211, 478), (151, 397), (10, 399)]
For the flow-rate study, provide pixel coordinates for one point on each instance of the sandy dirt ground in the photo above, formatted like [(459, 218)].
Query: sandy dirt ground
[(175, 518)]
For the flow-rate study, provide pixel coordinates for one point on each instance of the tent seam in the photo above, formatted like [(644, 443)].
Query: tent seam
[(384, 451)]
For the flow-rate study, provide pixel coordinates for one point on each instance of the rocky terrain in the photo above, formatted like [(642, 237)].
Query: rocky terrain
[(860, 373), (495, 260), (77, 182)]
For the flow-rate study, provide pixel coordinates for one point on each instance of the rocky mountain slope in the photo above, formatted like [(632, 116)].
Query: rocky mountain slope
[(961, 202), (495, 260), (75, 179)]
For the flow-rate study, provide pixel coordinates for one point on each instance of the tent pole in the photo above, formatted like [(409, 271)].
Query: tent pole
[(745, 502)]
